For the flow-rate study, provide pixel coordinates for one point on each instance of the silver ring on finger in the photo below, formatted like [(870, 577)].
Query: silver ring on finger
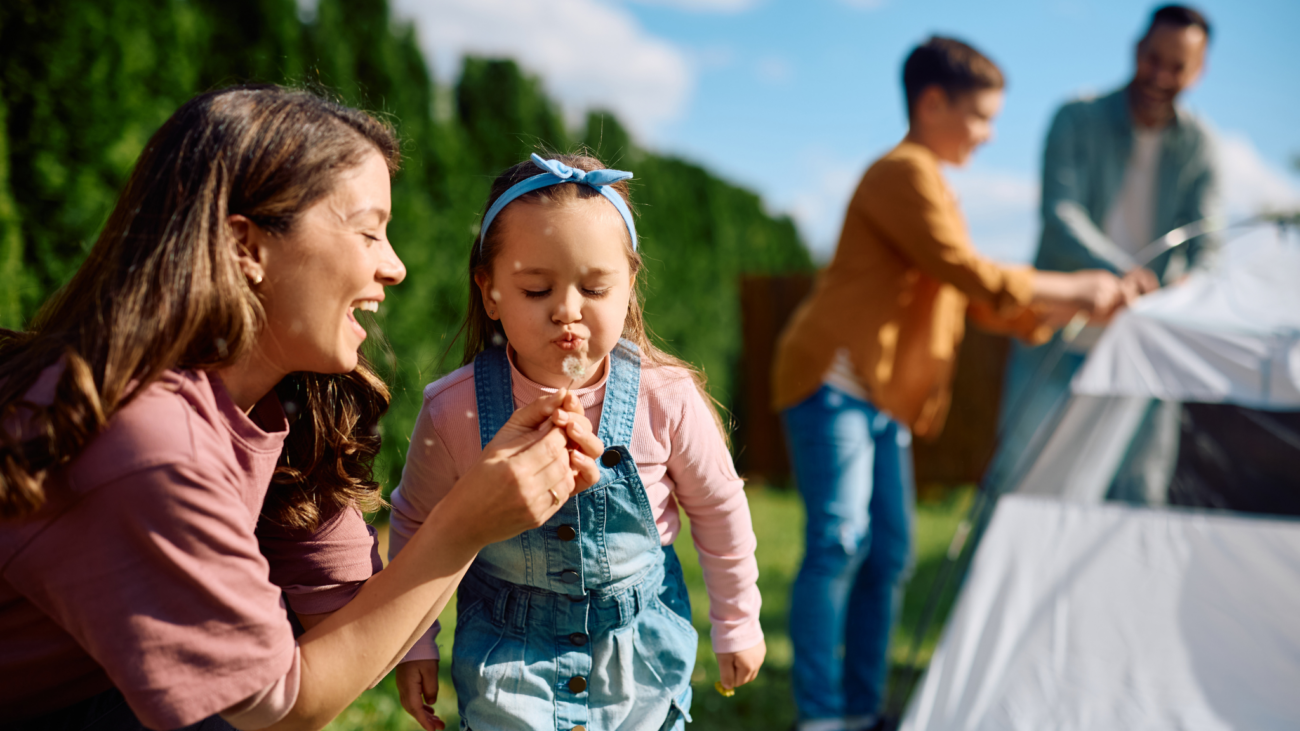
[(555, 496)]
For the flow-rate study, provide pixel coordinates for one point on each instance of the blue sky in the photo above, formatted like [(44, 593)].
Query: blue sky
[(794, 99)]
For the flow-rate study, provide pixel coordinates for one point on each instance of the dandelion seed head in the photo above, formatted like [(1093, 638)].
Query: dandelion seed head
[(574, 367)]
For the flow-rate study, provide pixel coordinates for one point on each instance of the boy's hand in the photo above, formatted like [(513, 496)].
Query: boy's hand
[(738, 668), (417, 686)]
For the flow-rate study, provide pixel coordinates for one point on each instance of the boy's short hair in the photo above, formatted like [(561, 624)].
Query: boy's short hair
[(1178, 16), (953, 66)]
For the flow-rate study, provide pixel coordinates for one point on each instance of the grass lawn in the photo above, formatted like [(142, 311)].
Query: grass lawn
[(766, 703)]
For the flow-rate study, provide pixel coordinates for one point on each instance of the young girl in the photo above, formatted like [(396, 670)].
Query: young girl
[(585, 622)]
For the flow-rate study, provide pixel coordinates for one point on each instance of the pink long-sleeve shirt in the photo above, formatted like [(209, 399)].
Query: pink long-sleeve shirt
[(680, 456)]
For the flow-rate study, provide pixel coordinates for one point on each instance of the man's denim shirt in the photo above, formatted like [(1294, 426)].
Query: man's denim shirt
[(1087, 153)]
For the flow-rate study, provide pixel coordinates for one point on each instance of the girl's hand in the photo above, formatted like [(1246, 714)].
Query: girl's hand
[(417, 686), (522, 477), (738, 668)]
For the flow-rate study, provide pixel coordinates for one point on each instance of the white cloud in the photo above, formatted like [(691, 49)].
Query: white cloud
[(819, 207), (588, 53), (1001, 210), (774, 70), (1250, 184), (704, 6)]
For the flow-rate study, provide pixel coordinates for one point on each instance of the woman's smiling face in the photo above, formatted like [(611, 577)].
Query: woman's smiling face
[(560, 285), (335, 260)]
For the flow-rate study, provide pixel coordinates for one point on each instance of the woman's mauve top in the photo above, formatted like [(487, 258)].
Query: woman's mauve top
[(896, 296), (147, 568)]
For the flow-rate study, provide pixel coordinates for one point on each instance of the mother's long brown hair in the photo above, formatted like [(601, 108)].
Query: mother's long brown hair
[(161, 290)]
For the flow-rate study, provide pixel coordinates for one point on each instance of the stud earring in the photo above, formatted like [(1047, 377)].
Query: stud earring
[(257, 279)]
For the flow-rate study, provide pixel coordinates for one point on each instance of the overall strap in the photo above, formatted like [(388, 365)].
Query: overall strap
[(618, 414), (496, 402)]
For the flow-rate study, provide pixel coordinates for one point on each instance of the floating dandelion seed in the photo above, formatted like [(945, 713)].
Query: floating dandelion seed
[(428, 442), (295, 327), (563, 310), (469, 414), (496, 295), (290, 408), (222, 348), (518, 266), (575, 367), (583, 270), (374, 430), (498, 340)]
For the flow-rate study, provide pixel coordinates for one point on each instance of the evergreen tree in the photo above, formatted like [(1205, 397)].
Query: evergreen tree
[(11, 242)]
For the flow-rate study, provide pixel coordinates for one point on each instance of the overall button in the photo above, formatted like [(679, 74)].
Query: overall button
[(577, 598), (579, 728), (611, 458), (566, 532), (578, 639), (577, 684), (569, 576)]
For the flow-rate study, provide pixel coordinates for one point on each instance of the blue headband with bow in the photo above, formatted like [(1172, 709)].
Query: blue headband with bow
[(557, 173)]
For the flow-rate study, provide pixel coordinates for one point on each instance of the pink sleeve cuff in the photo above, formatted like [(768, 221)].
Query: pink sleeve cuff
[(425, 648), (737, 638)]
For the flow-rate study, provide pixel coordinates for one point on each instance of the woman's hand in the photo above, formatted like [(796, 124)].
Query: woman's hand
[(524, 474), (577, 427), (417, 686), (738, 668)]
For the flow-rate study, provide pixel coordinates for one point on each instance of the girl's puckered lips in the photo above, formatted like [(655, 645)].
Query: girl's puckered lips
[(569, 341)]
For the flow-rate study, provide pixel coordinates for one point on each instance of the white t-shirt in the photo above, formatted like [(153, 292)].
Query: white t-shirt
[(1130, 220)]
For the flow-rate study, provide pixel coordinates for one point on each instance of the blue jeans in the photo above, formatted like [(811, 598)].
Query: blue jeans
[(853, 466)]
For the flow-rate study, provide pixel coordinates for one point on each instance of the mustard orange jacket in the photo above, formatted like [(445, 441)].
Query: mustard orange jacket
[(897, 293)]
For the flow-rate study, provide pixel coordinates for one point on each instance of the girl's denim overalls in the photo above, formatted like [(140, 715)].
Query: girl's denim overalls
[(584, 623)]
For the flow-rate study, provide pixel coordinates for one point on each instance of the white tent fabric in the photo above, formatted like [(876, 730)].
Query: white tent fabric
[(1231, 335), (1093, 617)]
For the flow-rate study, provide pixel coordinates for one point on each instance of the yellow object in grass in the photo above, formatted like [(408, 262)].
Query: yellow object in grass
[(724, 690)]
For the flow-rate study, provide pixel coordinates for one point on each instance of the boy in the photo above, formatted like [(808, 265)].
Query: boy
[(867, 360)]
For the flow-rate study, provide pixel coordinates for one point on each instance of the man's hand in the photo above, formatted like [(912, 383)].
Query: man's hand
[(417, 686), (1138, 282)]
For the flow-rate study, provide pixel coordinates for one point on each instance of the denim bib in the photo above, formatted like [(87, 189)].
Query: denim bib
[(583, 623)]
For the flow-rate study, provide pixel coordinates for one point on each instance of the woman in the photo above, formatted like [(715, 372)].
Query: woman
[(156, 503)]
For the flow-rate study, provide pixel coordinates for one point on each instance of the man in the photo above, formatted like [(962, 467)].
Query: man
[(1118, 171)]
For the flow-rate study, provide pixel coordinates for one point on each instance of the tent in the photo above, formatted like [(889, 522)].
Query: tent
[(1175, 603)]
